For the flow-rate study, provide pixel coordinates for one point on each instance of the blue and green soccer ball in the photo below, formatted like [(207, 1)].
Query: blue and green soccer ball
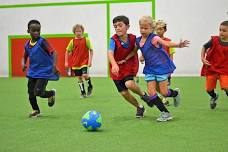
[(92, 120)]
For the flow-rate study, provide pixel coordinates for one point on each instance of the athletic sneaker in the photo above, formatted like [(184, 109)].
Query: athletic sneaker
[(146, 99), (83, 95), (89, 93), (140, 112), (176, 100), (51, 100), (35, 113), (213, 102), (164, 116)]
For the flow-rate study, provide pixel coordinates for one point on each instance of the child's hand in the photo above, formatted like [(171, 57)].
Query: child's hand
[(55, 70), (115, 70), (183, 43), (24, 67), (121, 61), (206, 62), (141, 59)]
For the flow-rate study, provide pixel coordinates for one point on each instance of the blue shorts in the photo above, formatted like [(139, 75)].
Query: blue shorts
[(154, 77)]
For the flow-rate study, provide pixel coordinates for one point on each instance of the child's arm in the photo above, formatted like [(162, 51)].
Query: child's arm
[(181, 44), (24, 60), (141, 59), (90, 57), (203, 56), (115, 67), (131, 54)]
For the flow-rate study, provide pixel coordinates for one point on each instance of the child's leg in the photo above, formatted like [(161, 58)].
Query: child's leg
[(211, 85), (32, 97), (132, 85), (81, 86), (223, 79), (89, 83), (130, 98), (40, 87)]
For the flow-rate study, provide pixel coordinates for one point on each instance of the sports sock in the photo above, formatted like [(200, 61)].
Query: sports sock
[(212, 93), (81, 86), (172, 93), (89, 83), (157, 101), (226, 92)]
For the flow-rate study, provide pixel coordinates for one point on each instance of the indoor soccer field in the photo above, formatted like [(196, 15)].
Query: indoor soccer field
[(195, 127)]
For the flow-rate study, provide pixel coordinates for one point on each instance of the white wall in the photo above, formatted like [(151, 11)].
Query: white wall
[(194, 20)]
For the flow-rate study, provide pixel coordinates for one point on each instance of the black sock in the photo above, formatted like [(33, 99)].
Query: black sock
[(226, 92), (33, 102), (212, 93), (89, 83), (82, 87), (172, 93), (157, 101)]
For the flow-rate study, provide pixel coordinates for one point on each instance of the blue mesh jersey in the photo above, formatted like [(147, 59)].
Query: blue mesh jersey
[(156, 59), (40, 60)]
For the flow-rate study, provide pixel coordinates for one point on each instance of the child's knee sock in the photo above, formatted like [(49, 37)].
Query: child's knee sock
[(157, 101), (172, 93), (212, 93), (89, 83), (82, 87)]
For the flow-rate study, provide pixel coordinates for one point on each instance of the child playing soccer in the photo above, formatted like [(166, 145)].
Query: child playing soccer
[(161, 28), (81, 52), (158, 66), (214, 56), (122, 69), (42, 67)]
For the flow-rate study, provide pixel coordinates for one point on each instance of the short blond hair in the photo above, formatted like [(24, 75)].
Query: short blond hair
[(148, 19), (78, 26), (162, 24)]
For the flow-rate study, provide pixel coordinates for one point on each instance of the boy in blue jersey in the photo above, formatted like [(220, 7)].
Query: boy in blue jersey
[(42, 67), (158, 65)]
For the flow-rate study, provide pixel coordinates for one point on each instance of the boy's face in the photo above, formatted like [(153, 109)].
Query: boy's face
[(145, 28), (160, 31), (34, 30), (78, 32), (120, 28), (223, 32)]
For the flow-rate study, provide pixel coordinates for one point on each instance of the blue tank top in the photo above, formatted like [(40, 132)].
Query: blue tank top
[(40, 62), (157, 60)]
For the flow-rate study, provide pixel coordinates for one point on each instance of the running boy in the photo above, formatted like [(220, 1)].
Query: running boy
[(42, 67), (122, 69), (214, 56), (81, 52), (158, 66)]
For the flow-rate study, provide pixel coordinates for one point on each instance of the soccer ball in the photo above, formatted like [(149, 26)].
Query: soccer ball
[(92, 120)]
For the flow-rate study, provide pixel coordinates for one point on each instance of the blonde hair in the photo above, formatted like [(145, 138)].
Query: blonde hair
[(161, 23), (78, 26), (147, 19)]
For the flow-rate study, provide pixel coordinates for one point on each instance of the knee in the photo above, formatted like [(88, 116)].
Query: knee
[(38, 92), (124, 93), (129, 84)]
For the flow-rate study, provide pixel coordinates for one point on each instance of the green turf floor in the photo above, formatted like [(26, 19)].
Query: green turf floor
[(195, 127)]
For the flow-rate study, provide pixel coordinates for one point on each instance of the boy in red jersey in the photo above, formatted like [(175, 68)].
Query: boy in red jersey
[(81, 52), (214, 56), (123, 69)]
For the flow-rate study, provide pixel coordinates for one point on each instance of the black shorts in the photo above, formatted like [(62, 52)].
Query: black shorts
[(80, 72), (36, 84), (120, 84)]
